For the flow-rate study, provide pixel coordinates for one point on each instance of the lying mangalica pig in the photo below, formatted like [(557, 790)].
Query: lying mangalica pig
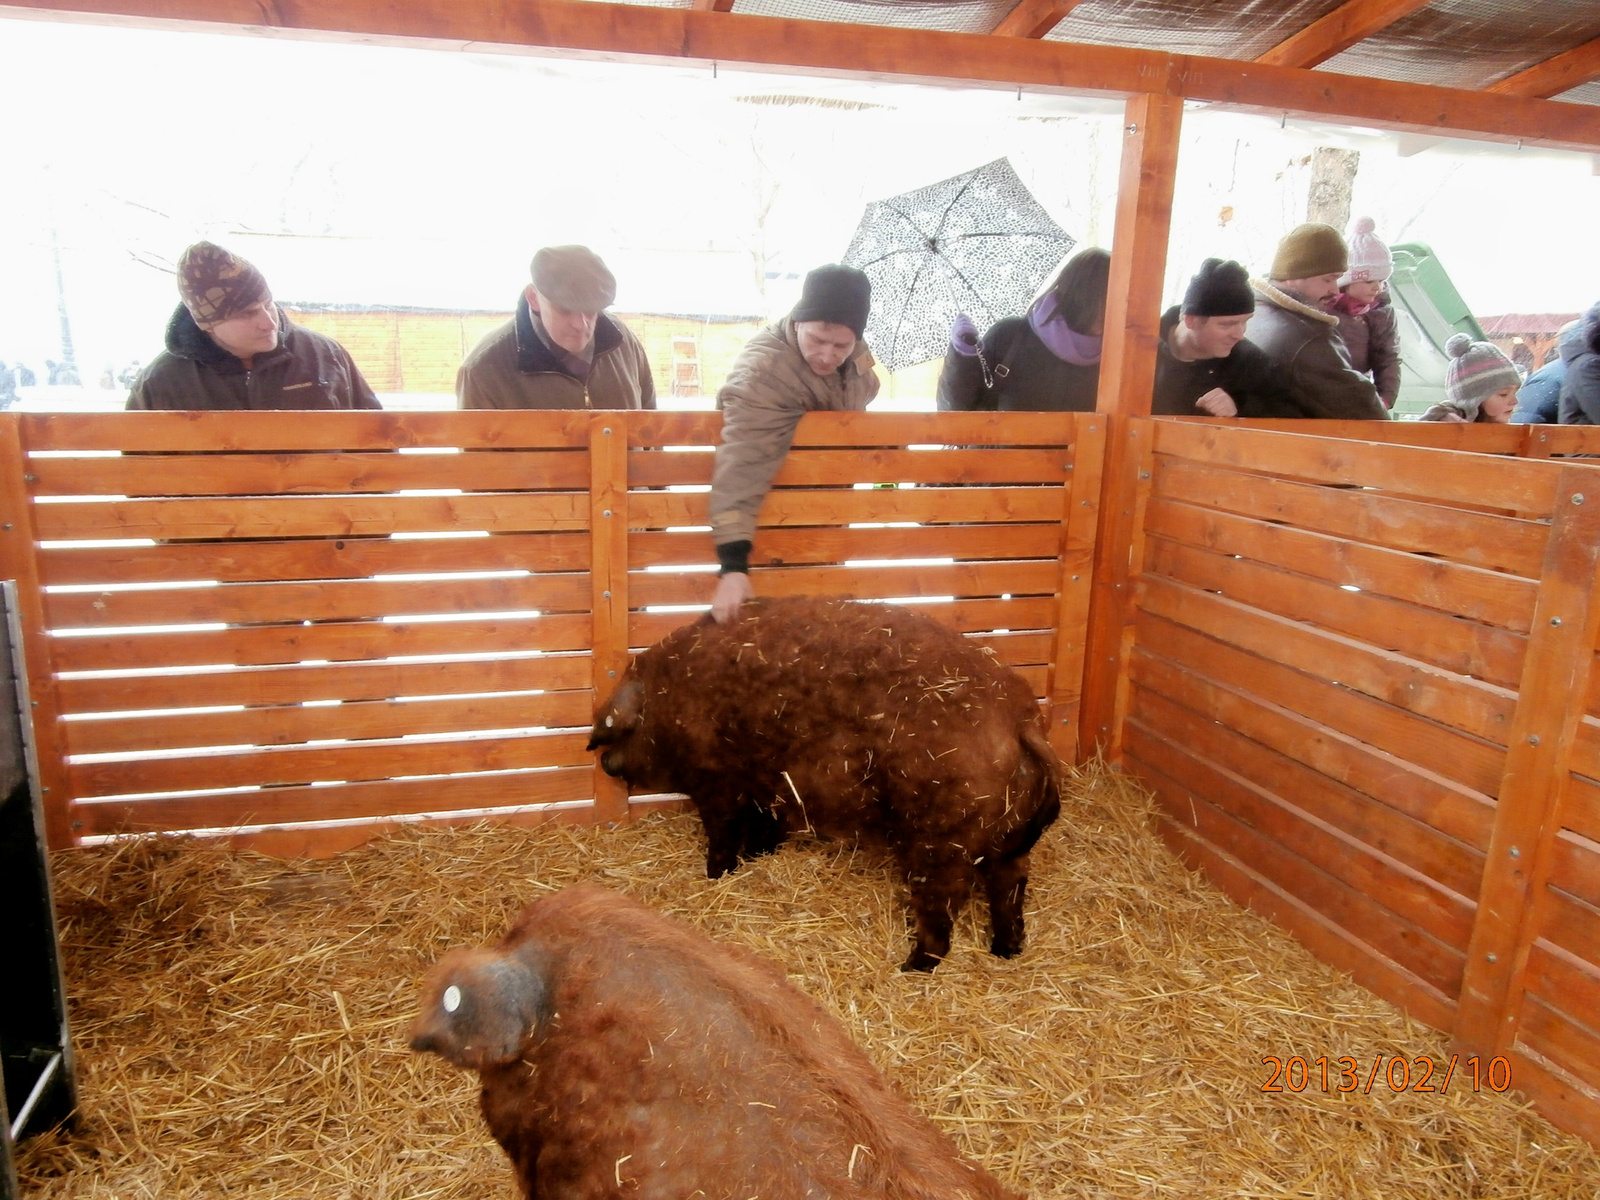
[(624, 1054), (852, 720)]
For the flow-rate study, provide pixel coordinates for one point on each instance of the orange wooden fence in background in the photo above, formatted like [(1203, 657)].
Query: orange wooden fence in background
[(292, 628)]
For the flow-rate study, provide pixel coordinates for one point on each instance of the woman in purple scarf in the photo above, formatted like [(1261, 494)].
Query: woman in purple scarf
[(1048, 360)]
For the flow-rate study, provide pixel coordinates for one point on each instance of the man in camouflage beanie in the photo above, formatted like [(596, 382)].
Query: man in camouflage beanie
[(230, 347)]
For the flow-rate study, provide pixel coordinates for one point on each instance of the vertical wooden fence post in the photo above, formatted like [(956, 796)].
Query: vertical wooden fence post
[(1079, 525), (19, 560), (1127, 380), (1551, 699), (608, 576)]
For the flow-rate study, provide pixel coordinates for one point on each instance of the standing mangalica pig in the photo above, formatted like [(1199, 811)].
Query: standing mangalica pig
[(624, 1054), (862, 721)]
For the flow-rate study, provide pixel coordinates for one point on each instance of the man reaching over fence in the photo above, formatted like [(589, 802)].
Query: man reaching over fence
[(1302, 339), (230, 347), (813, 360)]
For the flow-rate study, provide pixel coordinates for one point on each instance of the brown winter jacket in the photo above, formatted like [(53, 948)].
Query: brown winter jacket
[(1304, 341), (513, 368), (307, 370), (769, 388), (1373, 346)]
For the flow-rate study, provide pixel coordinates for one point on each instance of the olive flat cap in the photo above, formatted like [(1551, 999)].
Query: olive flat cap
[(1310, 250), (573, 277)]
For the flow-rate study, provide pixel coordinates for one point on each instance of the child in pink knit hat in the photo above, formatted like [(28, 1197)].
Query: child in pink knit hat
[(1366, 318)]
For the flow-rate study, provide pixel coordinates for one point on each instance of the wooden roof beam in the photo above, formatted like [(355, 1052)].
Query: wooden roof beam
[(1346, 25), (646, 33), (1034, 18), (1554, 75)]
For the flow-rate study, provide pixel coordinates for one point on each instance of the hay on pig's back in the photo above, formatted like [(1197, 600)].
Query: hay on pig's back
[(241, 1026)]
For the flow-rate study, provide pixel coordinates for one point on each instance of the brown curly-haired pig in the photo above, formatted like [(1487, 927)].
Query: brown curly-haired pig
[(863, 721), (624, 1054)]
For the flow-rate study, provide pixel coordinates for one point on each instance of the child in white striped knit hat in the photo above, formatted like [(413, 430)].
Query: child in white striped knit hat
[(1480, 384)]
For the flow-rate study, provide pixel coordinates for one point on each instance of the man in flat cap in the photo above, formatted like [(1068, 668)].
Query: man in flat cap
[(1204, 364), (230, 347), (1301, 338), (560, 350), (813, 360)]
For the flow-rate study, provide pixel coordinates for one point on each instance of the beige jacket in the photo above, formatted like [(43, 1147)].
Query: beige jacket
[(769, 388)]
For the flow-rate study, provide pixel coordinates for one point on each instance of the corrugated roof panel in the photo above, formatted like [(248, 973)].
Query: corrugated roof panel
[(1225, 29), (947, 16)]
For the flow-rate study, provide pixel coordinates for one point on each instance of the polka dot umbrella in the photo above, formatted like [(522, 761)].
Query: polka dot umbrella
[(977, 243)]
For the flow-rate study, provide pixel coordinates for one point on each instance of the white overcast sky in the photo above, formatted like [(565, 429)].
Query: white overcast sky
[(124, 145)]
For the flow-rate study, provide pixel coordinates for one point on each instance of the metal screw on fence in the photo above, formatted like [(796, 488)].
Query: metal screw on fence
[(1492, 957), (1515, 853), (1533, 739), (1555, 621), (606, 431), (605, 595), (1577, 497), (606, 513)]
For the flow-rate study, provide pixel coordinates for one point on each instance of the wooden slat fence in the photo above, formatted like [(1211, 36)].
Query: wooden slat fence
[(296, 628), (1357, 674)]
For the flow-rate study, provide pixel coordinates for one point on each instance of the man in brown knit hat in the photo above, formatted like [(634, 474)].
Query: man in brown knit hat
[(229, 347), (1303, 340)]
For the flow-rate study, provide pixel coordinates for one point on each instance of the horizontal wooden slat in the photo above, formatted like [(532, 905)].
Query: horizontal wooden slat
[(1480, 709), (335, 641), (1441, 475), (241, 603), (1464, 647), (656, 510), (786, 547), (822, 467), (1580, 807), (313, 516), (1562, 981), (284, 725), (1430, 746), (1455, 870), (1573, 926), (1488, 596), (958, 579), (311, 558), (1575, 867), (176, 432), (299, 682), (1326, 939), (1476, 438), (1498, 543), (382, 759), (1562, 1040), (1368, 921), (1021, 612), (337, 802), (1586, 748), (282, 473)]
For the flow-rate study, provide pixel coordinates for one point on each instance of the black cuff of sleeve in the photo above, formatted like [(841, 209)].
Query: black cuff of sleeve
[(734, 556)]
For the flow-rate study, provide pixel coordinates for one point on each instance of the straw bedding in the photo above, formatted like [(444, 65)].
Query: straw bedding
[(241, 1022)]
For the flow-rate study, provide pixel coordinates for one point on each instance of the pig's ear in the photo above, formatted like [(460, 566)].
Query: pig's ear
[(479, 1009), (620, 715)]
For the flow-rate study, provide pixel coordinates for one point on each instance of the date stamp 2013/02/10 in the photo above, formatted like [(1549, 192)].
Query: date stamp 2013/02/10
[(1396, 1072)]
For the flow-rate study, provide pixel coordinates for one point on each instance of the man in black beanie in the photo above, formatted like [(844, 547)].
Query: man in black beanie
[(1204, 366), (813, 360)]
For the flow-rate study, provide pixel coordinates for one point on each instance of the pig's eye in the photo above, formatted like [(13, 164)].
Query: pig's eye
[(452, 998), (610, 721)]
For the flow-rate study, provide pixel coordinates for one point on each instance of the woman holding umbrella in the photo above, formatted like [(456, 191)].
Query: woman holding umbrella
[(1046, 360)]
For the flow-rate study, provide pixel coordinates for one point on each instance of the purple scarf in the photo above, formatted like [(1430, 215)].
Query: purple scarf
[(1079, 349)]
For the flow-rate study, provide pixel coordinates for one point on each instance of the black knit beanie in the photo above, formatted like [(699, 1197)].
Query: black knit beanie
[(1221, 288), (839, 295)]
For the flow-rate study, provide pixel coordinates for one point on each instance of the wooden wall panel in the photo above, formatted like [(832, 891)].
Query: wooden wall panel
[(298, 631)]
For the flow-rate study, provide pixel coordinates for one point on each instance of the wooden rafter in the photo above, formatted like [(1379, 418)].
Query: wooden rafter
[(1034, 18), (1553, 76), (1339, 30), (646, 32)]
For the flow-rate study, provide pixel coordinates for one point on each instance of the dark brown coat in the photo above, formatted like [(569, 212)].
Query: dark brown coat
[(863, 721), (624, 1054)]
